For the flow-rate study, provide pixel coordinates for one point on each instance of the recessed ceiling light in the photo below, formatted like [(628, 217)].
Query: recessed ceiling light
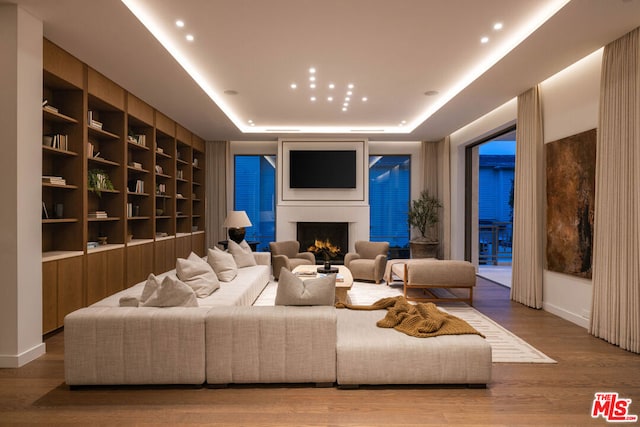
[(344, 108), (346, 98), (350, 85), (331, 85), (293, 85), (349, 93), (312, 78), (484, 40), (365, 99), (312, 85), (231, 92), (250, 121), (346, 104), (252, 124), (497, 26), (431, 93), (329, 98), (189, 37), (312, 70), (180, 23), (313, 98)]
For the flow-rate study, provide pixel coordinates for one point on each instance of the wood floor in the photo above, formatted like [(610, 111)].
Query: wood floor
[(520, 394)]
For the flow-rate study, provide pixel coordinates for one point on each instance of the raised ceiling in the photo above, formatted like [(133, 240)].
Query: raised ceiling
[(420, 64)]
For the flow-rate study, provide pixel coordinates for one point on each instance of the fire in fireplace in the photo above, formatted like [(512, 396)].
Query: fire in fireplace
[(336, 233)]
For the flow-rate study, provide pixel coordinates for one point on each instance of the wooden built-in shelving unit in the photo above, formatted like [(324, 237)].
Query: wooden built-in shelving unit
[(155, 210)]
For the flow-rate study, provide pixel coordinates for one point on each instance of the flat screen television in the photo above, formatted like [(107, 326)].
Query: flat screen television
[(322, 169)]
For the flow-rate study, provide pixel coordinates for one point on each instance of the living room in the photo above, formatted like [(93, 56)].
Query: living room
[(570, 105)]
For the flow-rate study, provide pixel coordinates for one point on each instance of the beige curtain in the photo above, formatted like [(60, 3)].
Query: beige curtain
[(436, 179), (615, 314), (216, 191), (528, 202)]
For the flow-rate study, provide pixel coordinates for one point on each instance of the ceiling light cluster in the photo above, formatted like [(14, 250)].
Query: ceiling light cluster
[(314, 96), (496, 27), (180, 24)]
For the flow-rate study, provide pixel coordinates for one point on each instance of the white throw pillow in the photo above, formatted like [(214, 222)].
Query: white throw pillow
[(294, 291), (149, 288), (242, 254), (223, 264), (197, 273), (172, 293)]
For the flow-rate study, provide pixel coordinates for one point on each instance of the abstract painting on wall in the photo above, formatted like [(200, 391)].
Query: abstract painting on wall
[(571, 173)]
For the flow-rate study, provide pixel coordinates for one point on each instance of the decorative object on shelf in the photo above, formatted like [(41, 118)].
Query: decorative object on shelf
[(59, 210), (424, 215), (98, 181), (328, 251), (236, 222), (102, 240)]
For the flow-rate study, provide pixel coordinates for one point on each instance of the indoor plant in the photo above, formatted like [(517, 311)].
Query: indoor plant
[(424, 215), (98, 180)]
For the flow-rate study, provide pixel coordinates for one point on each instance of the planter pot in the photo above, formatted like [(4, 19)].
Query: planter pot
[(424, 249)]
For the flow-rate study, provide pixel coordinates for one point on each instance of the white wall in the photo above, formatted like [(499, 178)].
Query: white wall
[(20, 166), (570, 101), (569, 106)]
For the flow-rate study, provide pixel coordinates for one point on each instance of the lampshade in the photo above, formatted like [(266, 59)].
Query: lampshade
[(237, 219)]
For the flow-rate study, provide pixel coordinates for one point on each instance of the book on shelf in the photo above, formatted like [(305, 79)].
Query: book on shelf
[(50, 107), (138, 139), (136, 186), (56, 140), (98, 214), (54, 180), (135, 165), (91, 119), (129, 210), (161, 189)]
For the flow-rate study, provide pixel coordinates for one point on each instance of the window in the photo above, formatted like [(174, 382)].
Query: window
[(255, 183), (389, 192)]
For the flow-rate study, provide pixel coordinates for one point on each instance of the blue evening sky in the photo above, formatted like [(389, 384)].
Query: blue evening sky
[(498, 147)]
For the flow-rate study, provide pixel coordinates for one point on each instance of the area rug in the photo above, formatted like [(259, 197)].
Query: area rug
[(506, 347)]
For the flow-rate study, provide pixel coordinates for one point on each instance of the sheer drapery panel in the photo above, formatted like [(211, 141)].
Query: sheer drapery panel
[(615, 314)]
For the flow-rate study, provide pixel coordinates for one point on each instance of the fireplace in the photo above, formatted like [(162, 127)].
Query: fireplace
[(337, 233)]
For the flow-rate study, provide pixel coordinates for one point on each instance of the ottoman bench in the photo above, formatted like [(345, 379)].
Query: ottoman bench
[(367, 354)]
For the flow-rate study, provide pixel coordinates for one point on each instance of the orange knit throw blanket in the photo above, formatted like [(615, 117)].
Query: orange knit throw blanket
[(420, 320)]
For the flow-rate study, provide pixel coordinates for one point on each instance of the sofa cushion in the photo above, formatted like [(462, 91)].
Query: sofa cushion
[(223, 264), (172, 293), (197, 273), (294, 291), (242, 253)]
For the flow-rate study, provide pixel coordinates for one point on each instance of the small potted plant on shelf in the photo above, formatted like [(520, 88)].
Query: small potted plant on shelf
[(98, 181), (424, 216)]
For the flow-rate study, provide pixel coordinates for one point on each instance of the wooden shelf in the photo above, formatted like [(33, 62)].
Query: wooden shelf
[(59, 220), (57, 117), (165, 155), (136, 170), (100, 133), (62, 187), (102, 161), (58, 151), (138, 218), (137, 146), (133, 193), (107, 219)]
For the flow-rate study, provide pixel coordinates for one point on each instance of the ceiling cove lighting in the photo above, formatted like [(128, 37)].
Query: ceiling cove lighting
[(535, 21), (164, 32)]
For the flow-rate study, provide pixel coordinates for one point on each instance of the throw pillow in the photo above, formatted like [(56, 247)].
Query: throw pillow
[(150, 287), (242, 253), (197, 273), (294, 291), (172, 293), (223, 264)]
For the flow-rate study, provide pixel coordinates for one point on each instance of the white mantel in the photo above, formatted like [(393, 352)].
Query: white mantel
[(287, 217)]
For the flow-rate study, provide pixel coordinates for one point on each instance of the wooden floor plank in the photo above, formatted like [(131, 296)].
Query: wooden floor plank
[(520, 394)]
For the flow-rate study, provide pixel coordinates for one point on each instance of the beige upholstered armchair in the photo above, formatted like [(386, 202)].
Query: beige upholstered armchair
[(286, 254), (369, 260)]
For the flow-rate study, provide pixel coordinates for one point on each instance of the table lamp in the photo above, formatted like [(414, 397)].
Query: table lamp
[(236, 221)]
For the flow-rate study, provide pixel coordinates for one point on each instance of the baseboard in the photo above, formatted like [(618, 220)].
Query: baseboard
[(17, 361), (566, 315)]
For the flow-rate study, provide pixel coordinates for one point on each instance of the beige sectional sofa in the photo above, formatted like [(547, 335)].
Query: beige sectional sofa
[(226, 340)]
